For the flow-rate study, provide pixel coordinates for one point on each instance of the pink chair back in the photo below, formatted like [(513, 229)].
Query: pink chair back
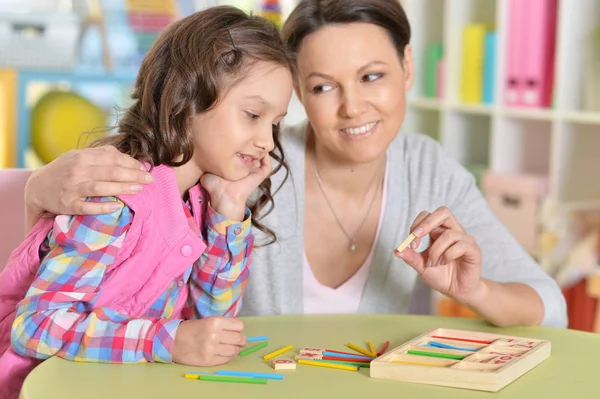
[(12, 210)]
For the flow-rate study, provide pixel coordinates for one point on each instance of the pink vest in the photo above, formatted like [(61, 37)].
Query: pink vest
[(158, 248)]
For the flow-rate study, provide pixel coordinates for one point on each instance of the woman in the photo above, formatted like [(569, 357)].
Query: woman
[(357, 187)]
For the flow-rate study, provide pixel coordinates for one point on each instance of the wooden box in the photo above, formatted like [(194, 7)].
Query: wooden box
[(484, 361)]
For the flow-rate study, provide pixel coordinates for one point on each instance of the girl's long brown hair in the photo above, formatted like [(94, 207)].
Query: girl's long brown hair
[(193, 62)]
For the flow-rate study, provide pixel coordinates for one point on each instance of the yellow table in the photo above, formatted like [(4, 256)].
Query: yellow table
[(570, 372)]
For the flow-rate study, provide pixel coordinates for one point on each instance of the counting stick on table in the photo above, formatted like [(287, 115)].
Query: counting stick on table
[(221, 378), (253, 348), (277, 352), (360, 350), (330, 365), (411, 237)]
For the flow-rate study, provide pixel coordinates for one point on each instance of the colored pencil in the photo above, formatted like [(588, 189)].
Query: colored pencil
[(253, 349)]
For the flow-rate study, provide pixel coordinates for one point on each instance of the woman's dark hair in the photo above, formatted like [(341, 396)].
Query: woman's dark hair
[(193, 62), (312, 15)]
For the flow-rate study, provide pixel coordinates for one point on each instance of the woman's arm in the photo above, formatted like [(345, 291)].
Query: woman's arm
[(490, 272), (57, 317), (62, 186)]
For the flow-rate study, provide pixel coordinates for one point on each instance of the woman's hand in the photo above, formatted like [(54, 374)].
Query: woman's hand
[(229, 198), (452, 262), (208, 342), (62, 186)]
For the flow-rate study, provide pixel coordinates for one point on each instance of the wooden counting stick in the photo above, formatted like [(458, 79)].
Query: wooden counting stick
[(411, 237), (283, 364)]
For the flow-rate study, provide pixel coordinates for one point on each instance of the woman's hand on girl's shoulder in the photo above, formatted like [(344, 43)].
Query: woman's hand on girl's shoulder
[(452, 262), (62, 186), (208, 342)]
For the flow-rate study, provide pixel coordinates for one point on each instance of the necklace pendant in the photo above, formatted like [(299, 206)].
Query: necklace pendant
[(352, 246)]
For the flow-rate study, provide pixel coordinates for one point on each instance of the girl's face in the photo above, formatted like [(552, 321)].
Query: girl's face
[(232, 138), (352, 84)]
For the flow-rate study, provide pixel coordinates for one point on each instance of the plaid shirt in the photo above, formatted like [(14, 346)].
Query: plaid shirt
[(58, 317)]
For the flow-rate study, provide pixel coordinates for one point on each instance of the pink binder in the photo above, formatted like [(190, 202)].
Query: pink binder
[(513, 88), (539, 52)]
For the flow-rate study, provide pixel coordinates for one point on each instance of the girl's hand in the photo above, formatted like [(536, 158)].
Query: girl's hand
[(62, 186), (208, 342), (452, 262), (229, 198)]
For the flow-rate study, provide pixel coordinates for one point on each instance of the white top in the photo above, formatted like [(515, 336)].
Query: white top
[(319, 298)]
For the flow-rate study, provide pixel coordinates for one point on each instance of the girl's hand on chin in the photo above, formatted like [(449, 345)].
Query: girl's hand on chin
[(229, 198)]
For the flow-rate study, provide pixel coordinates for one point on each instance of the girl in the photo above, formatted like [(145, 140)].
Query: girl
[(159, 278), (359, 185)]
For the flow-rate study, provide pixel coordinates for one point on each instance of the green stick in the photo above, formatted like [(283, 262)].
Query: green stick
[(432, 354), (221, 378), (253, 348)]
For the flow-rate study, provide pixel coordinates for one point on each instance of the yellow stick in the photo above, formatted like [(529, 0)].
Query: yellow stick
[(277, 352), (360, 350), (372, 348), (411, 237), (330, 365), (419, 364)]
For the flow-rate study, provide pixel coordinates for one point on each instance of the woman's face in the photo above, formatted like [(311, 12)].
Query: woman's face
[(352, 84)]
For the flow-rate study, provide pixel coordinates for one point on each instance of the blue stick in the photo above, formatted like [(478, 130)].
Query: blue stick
[(335, 354), (438, 345), (258, 338), (271, 376)]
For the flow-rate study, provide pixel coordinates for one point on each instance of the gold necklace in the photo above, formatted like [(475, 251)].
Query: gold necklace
[(351, 238)]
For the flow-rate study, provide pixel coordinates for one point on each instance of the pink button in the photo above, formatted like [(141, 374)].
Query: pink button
[(186, 250), (237, 231), (180, 283)]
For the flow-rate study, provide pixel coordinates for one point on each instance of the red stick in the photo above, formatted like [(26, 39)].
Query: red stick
[(383, 348), (345, 359), (463, 339)]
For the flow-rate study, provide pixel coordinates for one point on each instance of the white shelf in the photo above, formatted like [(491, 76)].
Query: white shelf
[(582, 117), (425, 103), (561, 142), (474, 109)]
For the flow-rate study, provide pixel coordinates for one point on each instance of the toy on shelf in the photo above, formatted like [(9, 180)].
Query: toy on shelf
[(271, 10), (60, 121), (41, 38), (462, 359), (531, 51)]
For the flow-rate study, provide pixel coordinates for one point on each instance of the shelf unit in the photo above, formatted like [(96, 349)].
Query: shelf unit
[(561, 142)]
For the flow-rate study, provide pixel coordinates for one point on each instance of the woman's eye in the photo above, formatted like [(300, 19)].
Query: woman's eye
[(253, 116), (322, 89), (372, 76)]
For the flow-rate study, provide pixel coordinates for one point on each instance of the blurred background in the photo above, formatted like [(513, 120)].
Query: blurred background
[(511, 89)]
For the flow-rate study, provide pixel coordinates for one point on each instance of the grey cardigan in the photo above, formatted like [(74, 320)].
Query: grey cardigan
[(421, 177)]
